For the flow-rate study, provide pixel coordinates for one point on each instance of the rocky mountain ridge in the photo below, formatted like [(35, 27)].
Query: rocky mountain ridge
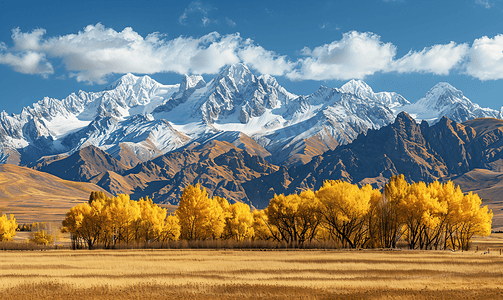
[(422, 152), (136, 118)]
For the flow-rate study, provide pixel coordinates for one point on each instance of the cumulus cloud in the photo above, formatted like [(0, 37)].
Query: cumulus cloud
[(358, 55), (355, 56), (485, 58), (28, 62), (264, 61), (27, 40), (97, 52), (25, 58), (438, 59)]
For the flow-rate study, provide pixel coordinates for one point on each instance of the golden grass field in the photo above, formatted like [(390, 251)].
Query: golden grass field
[(244, 274)]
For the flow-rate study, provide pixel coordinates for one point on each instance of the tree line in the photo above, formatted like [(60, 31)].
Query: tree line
[(423, 216)]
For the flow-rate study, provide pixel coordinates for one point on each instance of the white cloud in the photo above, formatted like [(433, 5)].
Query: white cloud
[(485, 58), (355, 56), (438, 59), (358, 55), (27, 62), (484, 3), (25, 59), (206, 21), (264, 61), (195, 6), (28, 40), (230, 22), (97, 52)]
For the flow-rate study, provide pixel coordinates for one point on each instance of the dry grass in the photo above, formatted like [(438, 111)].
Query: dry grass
[(218, 274), (34, 196)]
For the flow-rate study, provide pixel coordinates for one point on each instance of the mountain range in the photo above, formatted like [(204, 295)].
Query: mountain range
[(136, 119), (246, 138)]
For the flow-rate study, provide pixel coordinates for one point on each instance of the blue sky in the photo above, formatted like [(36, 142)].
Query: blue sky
[(407, 46)]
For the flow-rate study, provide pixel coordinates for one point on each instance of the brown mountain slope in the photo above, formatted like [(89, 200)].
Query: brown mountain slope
[(219, 166), (34, 196), (83, 165), (419, 151)]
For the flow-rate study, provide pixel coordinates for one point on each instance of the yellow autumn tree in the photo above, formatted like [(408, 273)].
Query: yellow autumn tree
[(262, 229), (120, 216), (472, 219), (296, 217), (7, 228), (86, 222), (386, 221), (238, 222), (41, 237), (449, 196), (200, 217), (344, 208), (170, 230), (152, 219), (421, 212)]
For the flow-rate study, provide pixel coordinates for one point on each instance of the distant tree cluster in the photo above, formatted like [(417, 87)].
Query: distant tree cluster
[(119, 220), (434, 216)]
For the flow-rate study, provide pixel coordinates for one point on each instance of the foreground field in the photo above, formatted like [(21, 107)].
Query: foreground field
[(206, 274)]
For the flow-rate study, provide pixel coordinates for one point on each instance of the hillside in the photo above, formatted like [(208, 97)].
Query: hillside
[(34, 196)]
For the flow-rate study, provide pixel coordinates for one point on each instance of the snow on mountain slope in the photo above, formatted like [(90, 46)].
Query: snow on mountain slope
[(41, 129), (445, 100), (137, 118), (364, 91)]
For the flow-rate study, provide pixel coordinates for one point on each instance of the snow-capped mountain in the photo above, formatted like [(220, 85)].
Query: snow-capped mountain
[(364, 91), (445, 100), (55, 126), (137, 118)]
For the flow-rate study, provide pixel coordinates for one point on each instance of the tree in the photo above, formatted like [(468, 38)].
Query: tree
[(238, 222), (152, 220), (386, 220), (472, 219), (7, 228), (41, 237), (262, 230), (344, 208), (170, 230), (200, 217), (97, 195), (119, 217), (86, 222), (421, 212), (296, 217)]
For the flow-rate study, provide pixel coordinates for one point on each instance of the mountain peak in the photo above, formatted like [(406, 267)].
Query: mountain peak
[(404, 117), (443, 95), (123, 80), (441, 88), (357, 87), (238, 72), (193, 81), (132, 80)]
